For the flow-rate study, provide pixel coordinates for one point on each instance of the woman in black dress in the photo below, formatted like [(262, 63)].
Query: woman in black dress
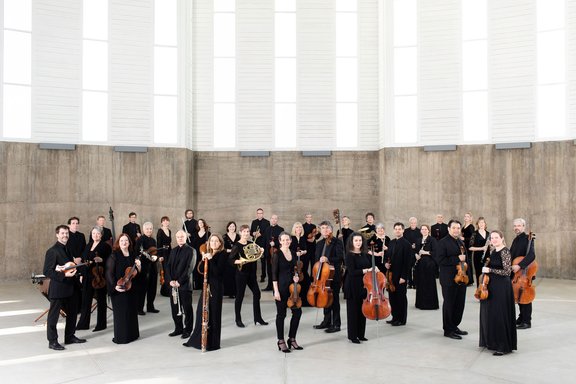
[(298, 247), (98, 252), (124, 301), (381, 242), (202, 236), (467, 231), (230, 238), (285, 274), (497, 312), (217, 259), (426, 271), (164, 244), (358, 262), (479, 246)]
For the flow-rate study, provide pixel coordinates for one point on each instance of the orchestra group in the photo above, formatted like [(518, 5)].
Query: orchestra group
[(306, 266)]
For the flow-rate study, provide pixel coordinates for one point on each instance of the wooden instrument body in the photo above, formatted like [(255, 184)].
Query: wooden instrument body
[(98, 280), (125, 282), (320, 293), (481, 292), (375, 306), (461, 277), (294, 299), (524, 291)]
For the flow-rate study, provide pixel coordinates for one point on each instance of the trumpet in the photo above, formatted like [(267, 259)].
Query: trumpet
[(252, 253), (176, 300)]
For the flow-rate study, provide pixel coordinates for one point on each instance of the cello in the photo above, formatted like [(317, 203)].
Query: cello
[(320, 294), (524, 291), (375, 306)]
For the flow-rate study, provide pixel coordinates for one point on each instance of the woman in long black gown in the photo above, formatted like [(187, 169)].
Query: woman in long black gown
[(124, 302), (284, 274), (201, 237), (479, 246), (358, 262), (497, 312), (230, 238), (98, 252), (467, 231), (426, 271), (217, 260), (164, 244)]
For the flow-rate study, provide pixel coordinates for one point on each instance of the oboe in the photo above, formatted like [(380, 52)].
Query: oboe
[(205, 312)]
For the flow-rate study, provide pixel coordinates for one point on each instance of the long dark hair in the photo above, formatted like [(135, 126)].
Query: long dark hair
[(350, 242)]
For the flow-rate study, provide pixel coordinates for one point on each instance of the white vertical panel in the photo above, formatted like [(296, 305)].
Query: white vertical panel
[(16, 111), (571, 67)]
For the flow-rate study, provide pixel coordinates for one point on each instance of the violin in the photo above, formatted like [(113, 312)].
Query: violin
[(294, 299), (320, 294), (125, 282), (69, 268), (461, 277), (98, 280), (375, 306), (389, 283), (524, 291), (299, 266), (482, 290), (312, 234)]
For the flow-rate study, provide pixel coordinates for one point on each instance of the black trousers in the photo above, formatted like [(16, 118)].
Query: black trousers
[(453, 307), (399, 303), (147, 292), (70, 306), (281, 308), (243, 280), (86, 307), (525, 315), (356, 319), (187, 323), (332, 313)]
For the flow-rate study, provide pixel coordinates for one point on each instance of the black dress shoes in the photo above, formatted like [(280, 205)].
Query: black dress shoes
[(390, 321), (153, 310), (141, 313), (460, 332), (175, 333), (355, 341), (260, 321), (524, 326), (98, 329), (321, 326), (453, 335), (185, 335), (240, 324), (397, 323), (56, 346), (498, 353), (362, 339), (74, 340), (332, 330)]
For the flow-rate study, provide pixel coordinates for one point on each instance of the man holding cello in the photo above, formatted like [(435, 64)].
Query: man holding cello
[(520, 247)]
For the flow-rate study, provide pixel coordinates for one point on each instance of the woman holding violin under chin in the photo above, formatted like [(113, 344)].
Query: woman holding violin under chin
[(121, 268), (497, 312), (285, 277)]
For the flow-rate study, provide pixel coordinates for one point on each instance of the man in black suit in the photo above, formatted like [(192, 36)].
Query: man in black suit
[(440, 229), (400, 251), (448, 256), (106, 232), (76, 239), (257, 230), (330, 249), (132, 229), (271, 236), (63, 292), (414, 237), (190, 226), (178, 274), (519, 247)]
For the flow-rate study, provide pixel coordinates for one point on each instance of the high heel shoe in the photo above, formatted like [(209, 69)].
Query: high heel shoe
[(283, 347), (260, 321), (240, 324), (293, 344)]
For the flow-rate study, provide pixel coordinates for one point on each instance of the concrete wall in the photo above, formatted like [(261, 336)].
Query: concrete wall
[(40, 189)]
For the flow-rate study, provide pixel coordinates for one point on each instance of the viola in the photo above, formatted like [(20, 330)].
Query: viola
[(294, 299), (320, 294), (125, 282), (524, 290), (98, 280), (375, 306), (482, 290), (461, 277)]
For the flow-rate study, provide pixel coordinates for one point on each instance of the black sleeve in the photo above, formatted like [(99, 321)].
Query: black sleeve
[(110, 278), (275, 265), (351, 267), (50, 262)]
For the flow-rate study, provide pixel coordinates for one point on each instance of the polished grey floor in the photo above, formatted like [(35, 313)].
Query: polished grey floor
[(415, 353)]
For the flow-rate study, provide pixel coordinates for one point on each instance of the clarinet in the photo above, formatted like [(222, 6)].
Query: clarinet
[(205, 312)]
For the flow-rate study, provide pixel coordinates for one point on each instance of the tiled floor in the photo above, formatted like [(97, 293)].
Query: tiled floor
[(415, 353)]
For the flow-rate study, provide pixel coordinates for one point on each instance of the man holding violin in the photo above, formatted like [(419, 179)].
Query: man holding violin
[(63, 291)]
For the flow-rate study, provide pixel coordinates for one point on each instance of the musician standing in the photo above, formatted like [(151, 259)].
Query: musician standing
[(346, 230), (257, 228), (63, 291), (149, 274), (380, 242), (311, 234), (217, 260), (448, 256), (400, 251), (230, 238), (124, 299), (77, 240), (299, 246), (245, 276), (285, 274), (426, 271), (178, 274), (358, 263), (271, 236), (106, 232), (190, 226), (414, 237), (164, 244), (440, 229), (330, 250), (467, 232), (519, 247), (132, 228), (369, 226)]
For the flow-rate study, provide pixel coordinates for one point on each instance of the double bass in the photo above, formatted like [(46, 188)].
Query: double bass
[(524, 291), (320, 294), (375, 306)]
